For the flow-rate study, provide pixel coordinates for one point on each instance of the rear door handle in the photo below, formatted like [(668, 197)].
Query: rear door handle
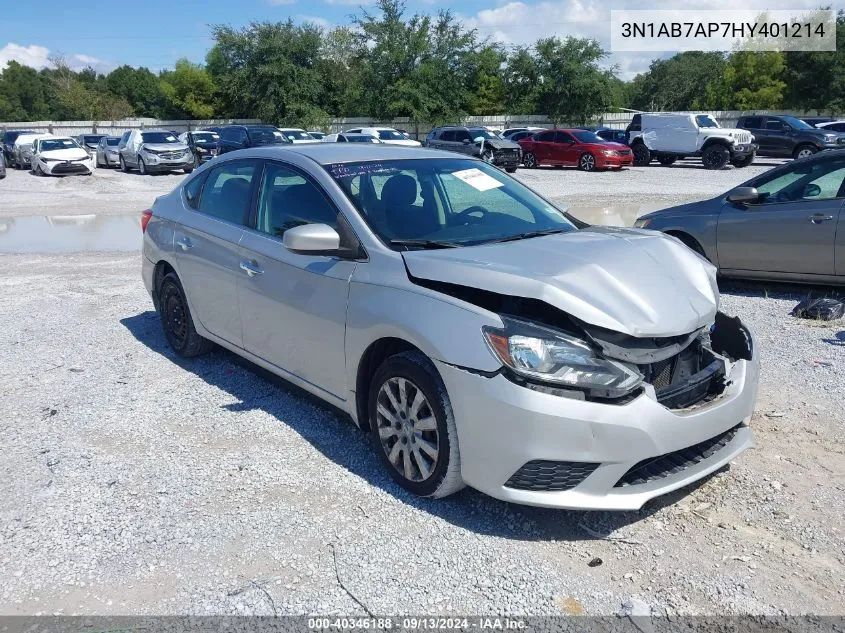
[(818, 218), (251, 268), (184, 243)]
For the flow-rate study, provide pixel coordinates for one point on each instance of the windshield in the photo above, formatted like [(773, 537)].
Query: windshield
[(585, 136), (455, 201), (476, 132), (705, 120), (158, 137), (798, 124), (50, 145), (390, 135), (266, 136), (205, 137), (298, 135)]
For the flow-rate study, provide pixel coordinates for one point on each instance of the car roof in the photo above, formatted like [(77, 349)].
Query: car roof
[(329, 153), (156, 129)]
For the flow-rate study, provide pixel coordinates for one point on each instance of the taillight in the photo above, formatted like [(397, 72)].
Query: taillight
[(145, 219)]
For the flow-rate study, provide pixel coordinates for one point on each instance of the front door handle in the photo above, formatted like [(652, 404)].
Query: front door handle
[(251, 268), (818, 218), (184, 243)]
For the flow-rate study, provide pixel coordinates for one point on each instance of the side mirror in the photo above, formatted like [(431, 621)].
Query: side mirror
[(743, 195), (312, 239), (812, 191)]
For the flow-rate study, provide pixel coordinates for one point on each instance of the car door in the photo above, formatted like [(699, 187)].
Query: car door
[(543, 143), (464, 143), (793, 227), (778, 137), (564, 150), (293, 305), (206, 243)]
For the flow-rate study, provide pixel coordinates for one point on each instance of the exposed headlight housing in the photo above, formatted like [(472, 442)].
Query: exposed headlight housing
[(550, 356)]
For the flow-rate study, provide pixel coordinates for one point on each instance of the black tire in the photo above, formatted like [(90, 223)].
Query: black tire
[(804, 150), (642, 155), (510, 170), (444, 473), (188, 170), (123, 167), (691, 243), (744, 162), (666, 160), (176, 320), (142, 167), (529, 160), (587, 162), (716, 157)]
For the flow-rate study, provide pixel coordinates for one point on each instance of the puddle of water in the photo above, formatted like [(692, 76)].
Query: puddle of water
[(614, 215), (70, 233)]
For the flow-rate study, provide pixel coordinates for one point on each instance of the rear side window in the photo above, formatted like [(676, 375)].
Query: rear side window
[(234, 134), (547, 137), (774, 124), (752, 122), (462, 135), (192, 191), (227, 190), (447, 135)]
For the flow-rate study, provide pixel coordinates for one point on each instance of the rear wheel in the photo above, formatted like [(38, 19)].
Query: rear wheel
[(587, 162), (412, 427), (802, 151), (642, 155), (715, 157), (529, 160), (176, 320)]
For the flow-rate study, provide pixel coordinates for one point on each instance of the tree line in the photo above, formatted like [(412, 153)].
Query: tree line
[(430, 68)]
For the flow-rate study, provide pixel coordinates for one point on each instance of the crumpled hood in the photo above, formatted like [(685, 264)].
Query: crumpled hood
[(500, 143), (165, 147), (640, 283), (72, 153)]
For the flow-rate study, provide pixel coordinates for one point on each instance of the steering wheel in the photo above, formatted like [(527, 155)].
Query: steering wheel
[(466, 216)]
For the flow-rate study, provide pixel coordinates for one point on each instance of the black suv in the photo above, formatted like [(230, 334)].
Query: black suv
[(7, 144), (234, 137), (477, 142), (203, 145), (788, 136)]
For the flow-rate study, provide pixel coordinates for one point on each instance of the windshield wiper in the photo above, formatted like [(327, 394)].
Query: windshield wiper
[(425, 243), (522, 236)]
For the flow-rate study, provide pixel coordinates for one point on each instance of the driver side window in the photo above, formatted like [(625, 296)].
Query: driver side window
[(820, 181)]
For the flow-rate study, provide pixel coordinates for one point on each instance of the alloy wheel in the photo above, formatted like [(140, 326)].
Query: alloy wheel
[(588, 162), (805, 152), (407, 429), (530, 160)]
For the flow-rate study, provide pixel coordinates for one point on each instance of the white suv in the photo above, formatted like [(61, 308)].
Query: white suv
[(669, 136)]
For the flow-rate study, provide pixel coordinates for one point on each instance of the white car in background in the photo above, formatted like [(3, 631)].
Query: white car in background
[(297, 135), (387, 135), (22, 152), (60, 156)]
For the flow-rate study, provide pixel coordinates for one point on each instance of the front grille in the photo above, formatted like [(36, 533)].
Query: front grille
[(671, 463), (623, 152), (743, 138), (546, 476), (686, 378), (170, 155), (72, 168)]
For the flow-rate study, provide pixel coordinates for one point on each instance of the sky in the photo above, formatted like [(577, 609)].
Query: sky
[(155, 33)]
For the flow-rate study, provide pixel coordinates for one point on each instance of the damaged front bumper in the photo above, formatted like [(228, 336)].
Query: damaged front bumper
[(535, 448)]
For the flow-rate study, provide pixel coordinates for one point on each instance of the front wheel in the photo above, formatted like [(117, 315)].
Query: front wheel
[(176, 320), (802, 151), (529, 160), (412, 426), (188, 170), (142, 167), (587, 162), (715, 157), (744, 162), (510, 170), (642, 155)]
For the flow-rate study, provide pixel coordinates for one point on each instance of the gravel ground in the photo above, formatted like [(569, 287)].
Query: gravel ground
[(134, 482)]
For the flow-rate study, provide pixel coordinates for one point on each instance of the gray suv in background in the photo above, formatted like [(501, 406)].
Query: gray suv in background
[(154, 151), (789, 136), (477, 142)]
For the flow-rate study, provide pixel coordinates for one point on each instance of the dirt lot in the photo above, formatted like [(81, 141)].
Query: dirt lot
[(135, 482)]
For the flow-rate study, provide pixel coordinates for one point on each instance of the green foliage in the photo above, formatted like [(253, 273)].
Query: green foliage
[(751, 81), (188, 91), (677, 83), (816, 81)]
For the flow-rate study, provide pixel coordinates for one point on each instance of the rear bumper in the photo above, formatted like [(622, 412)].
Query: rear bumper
[(506, 430)]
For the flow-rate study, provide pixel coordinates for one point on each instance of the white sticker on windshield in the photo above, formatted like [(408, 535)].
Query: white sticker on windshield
[(477, 179)]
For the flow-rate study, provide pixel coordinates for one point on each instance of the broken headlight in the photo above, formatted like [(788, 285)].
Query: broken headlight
[(550, 356)]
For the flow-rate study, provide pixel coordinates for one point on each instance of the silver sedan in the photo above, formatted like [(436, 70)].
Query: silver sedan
[(785, 224), (478, 334)]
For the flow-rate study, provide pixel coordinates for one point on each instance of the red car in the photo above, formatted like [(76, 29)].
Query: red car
[(574, 148)]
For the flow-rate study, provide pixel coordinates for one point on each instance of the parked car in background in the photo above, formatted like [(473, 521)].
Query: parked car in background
[(202, 143), (779, 225), (816, 121), (2, 166), (154, 151), (106, 154), (8, 143), (89, 142), (516, 137), (60, 156), (611, 134), (833, 126), (574, 148), (390, 136), (509, 132), (478, 334), (296, 135), (318, 136), (789, 136), (478, 142), (349, 137), (234, 137), (212, 128), (668, 136), (22, 155)]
